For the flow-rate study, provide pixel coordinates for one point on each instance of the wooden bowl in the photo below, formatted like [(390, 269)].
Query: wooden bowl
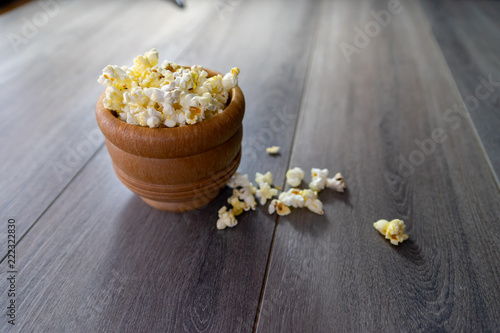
[(180, 168)]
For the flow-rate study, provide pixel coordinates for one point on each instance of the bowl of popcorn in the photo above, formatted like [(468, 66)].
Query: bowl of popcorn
[(173, 132)]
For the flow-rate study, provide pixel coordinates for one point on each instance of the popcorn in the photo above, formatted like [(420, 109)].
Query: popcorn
[(273, 150), (278, 207), (292, 198), (226, 218), (265, 192), (264, 178), (238, 206), (294, 176), (180, 95), (394, 230), (239, 180), (230, 80), (246, 194), (318, 179), (336, 182), (315, 206)]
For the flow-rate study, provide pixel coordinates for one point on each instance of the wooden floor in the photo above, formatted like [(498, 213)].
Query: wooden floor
[(408, 110)]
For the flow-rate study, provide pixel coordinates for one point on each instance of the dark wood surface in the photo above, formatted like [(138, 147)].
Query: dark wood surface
[(467, 33), (91, 256)]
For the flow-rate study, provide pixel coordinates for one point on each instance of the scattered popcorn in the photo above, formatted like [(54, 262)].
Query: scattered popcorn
[(336, 182), (318, 179), (226, 219), (394, 230), (278, 207), (272, 150), (153, 95), (244, 191), (264, 178), (265, 192), (294, 176)]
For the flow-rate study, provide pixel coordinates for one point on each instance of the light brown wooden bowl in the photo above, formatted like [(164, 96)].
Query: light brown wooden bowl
[(181, 168)]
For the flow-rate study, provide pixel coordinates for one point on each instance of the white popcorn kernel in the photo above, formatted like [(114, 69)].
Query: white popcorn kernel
[(239, 180), (227, 218), (148, 60), (154, 94), (265, 192), (230, 80), (153, 122), (114, 76), (394, 230), (316, 206), (294, 176), (336, 182), (264, 178), (318, 179), (292, 198), (278, 207), (273, 150), (246, 195), (113, 99)]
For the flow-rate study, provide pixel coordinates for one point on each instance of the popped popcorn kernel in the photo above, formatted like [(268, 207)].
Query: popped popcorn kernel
[(337, 182), (393, 230), (265, 192), (182, 96), (294, 176), (264, 178), (279, 207), (292, 198), (246, 195), (318, 179), (273, 150), (226, 218)]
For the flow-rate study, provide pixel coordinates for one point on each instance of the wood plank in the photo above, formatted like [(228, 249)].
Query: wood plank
[(336, 272), (467, 33), (49, 89), (100, 259)]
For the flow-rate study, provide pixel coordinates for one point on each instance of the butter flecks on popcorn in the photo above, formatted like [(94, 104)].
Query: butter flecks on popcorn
[(273, 150), (337, 182), (226, 218), (294, 176), (393, 230), (150, 94)]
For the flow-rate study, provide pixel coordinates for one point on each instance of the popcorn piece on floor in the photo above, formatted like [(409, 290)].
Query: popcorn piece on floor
[(239, 180), (394, 230), (246, 194), (336, 182), (318, 179), (226, 218), (264, 178), (294, 176), (278, 207), (292, 198), (238, 206), (316, 206), (273, 150), (265, 192)]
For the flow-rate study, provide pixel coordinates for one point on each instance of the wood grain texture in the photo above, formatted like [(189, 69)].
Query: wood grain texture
[(336, 273), (99, 259), (467, 33), (49, 88)]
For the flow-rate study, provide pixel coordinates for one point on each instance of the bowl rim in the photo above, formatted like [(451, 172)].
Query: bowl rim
[(173, 142)]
